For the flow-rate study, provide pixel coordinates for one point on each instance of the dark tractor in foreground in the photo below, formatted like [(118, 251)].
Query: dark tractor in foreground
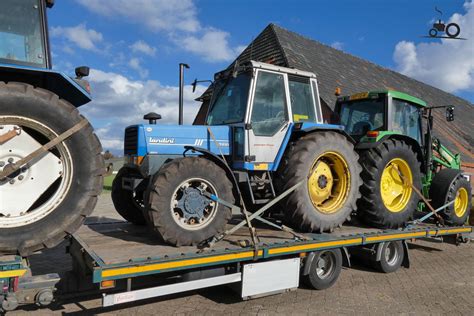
[(50, 160)]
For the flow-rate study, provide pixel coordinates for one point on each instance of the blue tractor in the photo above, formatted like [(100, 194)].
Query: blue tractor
[(50, 160), (264, 133)]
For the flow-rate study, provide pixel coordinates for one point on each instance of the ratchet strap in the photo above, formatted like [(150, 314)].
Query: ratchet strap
[(11, 168), (9, 135)]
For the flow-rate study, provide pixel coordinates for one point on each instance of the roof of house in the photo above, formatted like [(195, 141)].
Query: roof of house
[(335, 68)]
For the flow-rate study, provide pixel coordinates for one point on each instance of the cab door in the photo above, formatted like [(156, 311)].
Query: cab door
[(268, 118)]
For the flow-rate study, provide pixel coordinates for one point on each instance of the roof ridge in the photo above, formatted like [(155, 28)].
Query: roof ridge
[(275, 26)]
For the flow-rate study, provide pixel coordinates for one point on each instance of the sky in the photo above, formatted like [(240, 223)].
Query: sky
[(133, 47)]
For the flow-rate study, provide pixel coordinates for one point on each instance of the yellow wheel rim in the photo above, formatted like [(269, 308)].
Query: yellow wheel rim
[(395, 189), (460, 202), (329, 182)]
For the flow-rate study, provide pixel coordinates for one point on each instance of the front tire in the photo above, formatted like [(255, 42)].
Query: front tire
[(127, 203), (387, 201), (60, 204), (332, 180), (177, 209), (449, 185)]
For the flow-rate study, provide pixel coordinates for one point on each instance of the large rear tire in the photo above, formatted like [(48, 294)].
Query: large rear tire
[(387, 201), (128, 204), (332, 180), (178, 211), (449, 185), (50, 197)]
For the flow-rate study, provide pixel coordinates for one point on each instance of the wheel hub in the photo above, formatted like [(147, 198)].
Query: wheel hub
[(395, 188), (322, 181), (190, 207), (461, 202), (26, 194)]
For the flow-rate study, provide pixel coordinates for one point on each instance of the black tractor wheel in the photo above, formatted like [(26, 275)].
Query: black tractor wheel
[(177, 206), (388, 200), (129, 204), (453, 30), (391, 257), (50, 197), (332, 180), (324, 270), (449, 185)]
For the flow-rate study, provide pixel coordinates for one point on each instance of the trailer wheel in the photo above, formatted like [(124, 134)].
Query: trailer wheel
[(127, 203), (332, 179), (179, 211), (49, 198), (325, 269), (449, 185), (391, 257), (387, 201)]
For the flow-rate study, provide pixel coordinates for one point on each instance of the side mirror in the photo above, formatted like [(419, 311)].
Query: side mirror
[(194, 84), (82, 72), (152, 117), (450, 113)]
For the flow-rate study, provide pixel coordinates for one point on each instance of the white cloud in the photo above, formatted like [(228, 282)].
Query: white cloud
[(337, 45), (176, 19), (120, 102), (449, 64), (79, 35), (212, 46), (142, 47), (135, 64), (156, 15)]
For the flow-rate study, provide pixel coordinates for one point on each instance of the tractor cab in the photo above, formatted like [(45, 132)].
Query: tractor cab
[(262, 102), (23, 33), (369, 116)]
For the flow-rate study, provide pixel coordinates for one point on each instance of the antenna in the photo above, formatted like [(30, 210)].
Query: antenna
[(439, 11)]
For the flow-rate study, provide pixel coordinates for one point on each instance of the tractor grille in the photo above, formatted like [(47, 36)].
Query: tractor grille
[(131, 141)]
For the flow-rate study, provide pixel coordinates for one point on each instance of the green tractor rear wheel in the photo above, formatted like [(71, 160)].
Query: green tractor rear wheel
[(389, 171)]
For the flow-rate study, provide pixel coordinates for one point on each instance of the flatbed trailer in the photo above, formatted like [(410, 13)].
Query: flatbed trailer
[(125, 264)]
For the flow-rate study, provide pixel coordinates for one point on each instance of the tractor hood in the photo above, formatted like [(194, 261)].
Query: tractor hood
[(156, 139)]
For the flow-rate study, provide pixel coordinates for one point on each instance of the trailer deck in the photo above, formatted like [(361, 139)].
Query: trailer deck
[(121, 250)]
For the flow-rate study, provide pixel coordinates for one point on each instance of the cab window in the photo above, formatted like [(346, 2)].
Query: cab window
[(302, 102), (269, 106), (406, 119)]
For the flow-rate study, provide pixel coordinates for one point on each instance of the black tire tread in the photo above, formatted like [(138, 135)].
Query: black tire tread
[(122, 199), (53, 235)]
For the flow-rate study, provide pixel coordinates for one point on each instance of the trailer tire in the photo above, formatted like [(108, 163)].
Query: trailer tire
[(127, 203), (324, 270), (62, 207), (392, 255), (171, 183), (378, 182), (448, 185), (321, 204)]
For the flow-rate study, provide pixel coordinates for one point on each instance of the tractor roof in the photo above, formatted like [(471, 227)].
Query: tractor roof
[(271, 67), (392, 93)]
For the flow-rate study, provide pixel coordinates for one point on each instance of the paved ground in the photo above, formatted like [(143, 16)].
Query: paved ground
[(440, 281)]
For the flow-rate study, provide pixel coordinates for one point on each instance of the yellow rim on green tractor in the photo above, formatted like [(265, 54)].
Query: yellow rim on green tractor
[(329, 182), (395, 189), (460, 202)]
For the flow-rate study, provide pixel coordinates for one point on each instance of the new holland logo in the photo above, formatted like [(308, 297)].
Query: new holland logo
[(164, 140)]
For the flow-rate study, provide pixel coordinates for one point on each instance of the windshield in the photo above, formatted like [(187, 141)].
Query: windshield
[(21, 32), (359, 117), (230, 101)]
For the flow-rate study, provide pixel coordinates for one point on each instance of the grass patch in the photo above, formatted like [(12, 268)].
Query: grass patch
[(108, 182)]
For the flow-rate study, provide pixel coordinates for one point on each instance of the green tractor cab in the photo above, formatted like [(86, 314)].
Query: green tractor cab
[(402, 160)]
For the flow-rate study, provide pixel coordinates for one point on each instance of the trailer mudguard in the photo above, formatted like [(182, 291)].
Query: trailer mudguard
[(54, 81)]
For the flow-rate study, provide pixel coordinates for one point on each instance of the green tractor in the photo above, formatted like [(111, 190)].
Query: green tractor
[(404, 165)]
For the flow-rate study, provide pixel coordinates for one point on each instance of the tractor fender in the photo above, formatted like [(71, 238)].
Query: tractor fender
[(324, 127), (407, 139), (346, 261), (217, 160), (406, 258), (57, 82)]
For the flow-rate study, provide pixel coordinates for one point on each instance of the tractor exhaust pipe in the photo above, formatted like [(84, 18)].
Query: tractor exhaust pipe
[(181, 91)]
